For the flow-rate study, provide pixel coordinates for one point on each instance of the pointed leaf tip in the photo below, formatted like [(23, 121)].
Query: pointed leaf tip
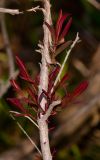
[(22, 67), (16, 102), (66, 29), (79, 89), (15, 85)]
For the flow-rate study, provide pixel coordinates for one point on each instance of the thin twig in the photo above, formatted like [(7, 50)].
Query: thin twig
[(17, 12), (31, 120), (22, 129), (95, 4), (6, 85), (48, 113), (12, 73), (66, 58), (7, 42)]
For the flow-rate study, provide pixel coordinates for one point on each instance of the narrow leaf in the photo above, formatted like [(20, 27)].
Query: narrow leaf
[(52, 77), (22, 68), (32, 95), (62, 47), (80, 89), (66, 29), (54, 72), (15, 85), (59, 27), (59, 18), (23, 72), (17, 103), (69, 97)]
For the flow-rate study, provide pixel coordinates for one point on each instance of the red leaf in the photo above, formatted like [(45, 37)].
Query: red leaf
[(32, 95), (17, 103), (79, 89), (69, 97), (46, 107), (59, 27), (59, 18), (54, 72), (15, 85), (23, 72), (44, 94), (66, 29), (22, 68), (57, 24), (52, 77), (52, 128), (65, 78), (52, 31)]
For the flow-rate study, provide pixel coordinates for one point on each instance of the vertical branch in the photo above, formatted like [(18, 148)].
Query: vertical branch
[(45, 51), (12, 73), (6, 41), (43, 126), (22, 129)]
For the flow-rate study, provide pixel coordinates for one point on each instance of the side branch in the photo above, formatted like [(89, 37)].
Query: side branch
[(67, 55), (22, 129), (16, 11), (48, 113), (95, 3)]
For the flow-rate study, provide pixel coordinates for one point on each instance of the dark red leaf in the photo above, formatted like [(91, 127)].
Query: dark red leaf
[(57, 24), (79, 89), (59, 27), (50, 86), (45, 95), (23, 72), (26, 100), (54, 72), (52, 77), (17, 103), (59, 18), (37, 79), (69, 97), (66, 29), (53, 113), (22, 68), (32, 95), (46, 107), (52, 128), (64, 79), (15, 85)]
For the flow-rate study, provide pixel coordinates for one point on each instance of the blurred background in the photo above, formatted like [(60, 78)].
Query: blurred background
[(77, 128)]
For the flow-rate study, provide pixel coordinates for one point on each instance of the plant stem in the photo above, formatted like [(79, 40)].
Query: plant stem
[(44, 139), (44, 73)]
